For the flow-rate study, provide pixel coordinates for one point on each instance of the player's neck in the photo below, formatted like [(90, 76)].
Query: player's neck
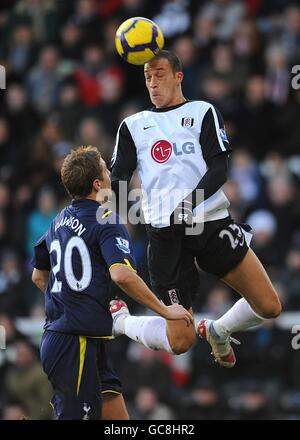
[(92, 196), (175, 101)]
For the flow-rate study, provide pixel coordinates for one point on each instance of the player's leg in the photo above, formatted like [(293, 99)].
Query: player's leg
[(154, 332), (114, 407), (180, 336), (238, 266), (150, 331), (165, 267), (260, 300), (70, 363)]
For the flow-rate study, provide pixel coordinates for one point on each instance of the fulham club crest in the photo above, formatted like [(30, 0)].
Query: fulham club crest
[(187, 122), (174, 296)]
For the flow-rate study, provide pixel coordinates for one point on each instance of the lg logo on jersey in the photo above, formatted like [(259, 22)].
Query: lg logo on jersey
[(162, 150)]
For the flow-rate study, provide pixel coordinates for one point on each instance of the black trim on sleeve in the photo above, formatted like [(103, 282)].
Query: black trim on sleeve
[(124, 158), (213, 139), (215, 176)]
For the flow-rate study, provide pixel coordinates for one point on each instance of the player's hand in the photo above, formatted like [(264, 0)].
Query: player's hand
[(182, 217), (176, 312)]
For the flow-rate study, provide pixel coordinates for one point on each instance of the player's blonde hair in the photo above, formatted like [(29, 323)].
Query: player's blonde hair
[(79, 170)]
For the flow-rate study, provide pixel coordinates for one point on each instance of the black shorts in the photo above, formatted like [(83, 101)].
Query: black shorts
[(79, 372), (171, 258)]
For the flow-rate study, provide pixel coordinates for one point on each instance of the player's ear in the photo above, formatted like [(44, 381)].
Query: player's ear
[(179, 77), (97, 184)]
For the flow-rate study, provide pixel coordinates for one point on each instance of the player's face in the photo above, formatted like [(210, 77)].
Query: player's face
[(104, 192), (162, 83)]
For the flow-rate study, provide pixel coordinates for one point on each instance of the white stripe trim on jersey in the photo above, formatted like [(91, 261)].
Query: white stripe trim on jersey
[(223, 148), (115, 152)]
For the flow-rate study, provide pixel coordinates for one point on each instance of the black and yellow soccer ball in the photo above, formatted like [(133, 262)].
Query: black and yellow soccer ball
[(138, 40)]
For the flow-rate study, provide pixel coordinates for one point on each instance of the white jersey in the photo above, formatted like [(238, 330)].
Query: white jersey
[(170, 148)]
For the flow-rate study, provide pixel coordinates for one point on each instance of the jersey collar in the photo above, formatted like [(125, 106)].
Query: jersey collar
[(85, 202), (167, 109)]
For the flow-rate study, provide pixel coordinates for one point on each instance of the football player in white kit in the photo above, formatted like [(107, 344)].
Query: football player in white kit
[(180, 148)]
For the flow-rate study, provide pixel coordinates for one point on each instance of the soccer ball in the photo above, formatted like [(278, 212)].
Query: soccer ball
[(138, 40)]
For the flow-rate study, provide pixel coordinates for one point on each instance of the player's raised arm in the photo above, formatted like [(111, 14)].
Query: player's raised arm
[(134, 286), (116, 249)]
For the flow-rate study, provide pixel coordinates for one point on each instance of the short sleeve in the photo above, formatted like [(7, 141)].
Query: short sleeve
[(41, 257), (116, 246), (213, 138), (124, 158)]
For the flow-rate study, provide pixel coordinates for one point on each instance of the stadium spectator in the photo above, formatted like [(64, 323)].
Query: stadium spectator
[(26, 382)]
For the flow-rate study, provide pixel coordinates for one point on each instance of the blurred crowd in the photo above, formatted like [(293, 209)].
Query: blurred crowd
[(66, 86)]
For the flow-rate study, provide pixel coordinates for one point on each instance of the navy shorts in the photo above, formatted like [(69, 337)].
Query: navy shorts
[(171, 258), (79, 371)]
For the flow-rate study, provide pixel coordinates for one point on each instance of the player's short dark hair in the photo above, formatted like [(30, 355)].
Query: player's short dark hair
[(79, 170), (173, 59)]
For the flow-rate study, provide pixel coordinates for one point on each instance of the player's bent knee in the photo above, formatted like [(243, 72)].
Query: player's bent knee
[(180, 348), (182, 345), (272, 309)]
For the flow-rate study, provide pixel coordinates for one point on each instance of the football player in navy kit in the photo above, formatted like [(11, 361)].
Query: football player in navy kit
[(73, 263), (181, 144)]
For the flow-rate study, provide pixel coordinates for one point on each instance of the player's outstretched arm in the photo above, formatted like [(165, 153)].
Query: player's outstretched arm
[(135, 287), (40, 278)]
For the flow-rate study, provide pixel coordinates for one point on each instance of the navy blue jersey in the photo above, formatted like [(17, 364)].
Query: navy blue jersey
[(79, 248)]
